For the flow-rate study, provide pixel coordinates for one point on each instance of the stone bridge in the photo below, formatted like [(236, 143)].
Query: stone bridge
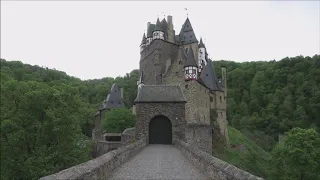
[(140, 160)]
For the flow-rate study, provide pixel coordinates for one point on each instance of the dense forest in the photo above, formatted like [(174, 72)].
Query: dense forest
[(46, 115)]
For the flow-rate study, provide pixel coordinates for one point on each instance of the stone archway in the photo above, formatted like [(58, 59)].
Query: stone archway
[(160, 130)]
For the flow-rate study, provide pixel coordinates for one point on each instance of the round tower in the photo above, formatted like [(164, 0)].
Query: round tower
[(143, 42), (190, 67), (158, 32), (201, 56)]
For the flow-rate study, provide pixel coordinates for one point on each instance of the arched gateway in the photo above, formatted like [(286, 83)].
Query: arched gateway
[(160, 130), (160, 112)]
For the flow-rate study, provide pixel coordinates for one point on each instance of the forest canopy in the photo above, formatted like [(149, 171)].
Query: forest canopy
[(46, 115)]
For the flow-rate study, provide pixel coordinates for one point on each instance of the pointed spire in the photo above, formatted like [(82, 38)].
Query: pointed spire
[(208, 76), (144, 39), (186, 34), (158, 26), (201, 45), (190, 59)]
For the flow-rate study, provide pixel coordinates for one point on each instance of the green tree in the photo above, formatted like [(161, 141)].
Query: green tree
[(40, 130), (117, 120), (299, 157)]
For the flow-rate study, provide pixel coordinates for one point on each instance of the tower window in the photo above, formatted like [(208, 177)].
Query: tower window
[(180, 62), (221, 114), (186, 86), (220, 99), (211, 99)]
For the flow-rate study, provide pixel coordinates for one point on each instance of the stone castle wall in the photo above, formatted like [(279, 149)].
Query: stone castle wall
[(154, 59), (175, 112)]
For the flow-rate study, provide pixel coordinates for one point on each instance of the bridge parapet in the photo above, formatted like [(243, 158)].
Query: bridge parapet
[(100, 167), (214, 167)]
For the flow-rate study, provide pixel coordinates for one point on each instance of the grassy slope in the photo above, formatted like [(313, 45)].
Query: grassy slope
[(252, 158)]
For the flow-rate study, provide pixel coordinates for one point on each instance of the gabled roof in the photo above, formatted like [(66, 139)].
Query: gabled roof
[(187, 35), (113, 100), (159, 93), (190, 59), (164, 24), (208, 76), (143, 39), (201, 45), (150, 30), (158, 26)]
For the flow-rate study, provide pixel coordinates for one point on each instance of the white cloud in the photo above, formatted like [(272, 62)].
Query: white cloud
[(101, 38)]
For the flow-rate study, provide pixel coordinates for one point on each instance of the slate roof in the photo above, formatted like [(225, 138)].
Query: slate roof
[(187, 35), (143, 39), (164, 25), (208, 76), (113, 100), (158, 26), (159, 93), (150, 30), (201, 45), (190, 59)]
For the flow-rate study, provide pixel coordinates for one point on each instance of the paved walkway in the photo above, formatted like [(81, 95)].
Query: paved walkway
[(158, 162)]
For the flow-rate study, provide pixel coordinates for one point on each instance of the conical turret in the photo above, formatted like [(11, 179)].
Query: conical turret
[(143, 42), (158, 31), (190, 66)]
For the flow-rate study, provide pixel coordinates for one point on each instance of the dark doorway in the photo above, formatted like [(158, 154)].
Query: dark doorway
[(160, 130)]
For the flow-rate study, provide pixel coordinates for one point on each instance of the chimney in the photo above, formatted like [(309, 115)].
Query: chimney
[(121, 91), (148, 24), (224, 80), (170, 29)]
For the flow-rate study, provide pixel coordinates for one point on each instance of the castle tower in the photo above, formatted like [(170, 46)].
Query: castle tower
[(143, 42), (202, 61), (224, 80), (158, 32), (150, 28), (164, 26), (171, 32), (190, 67), (188, 38)]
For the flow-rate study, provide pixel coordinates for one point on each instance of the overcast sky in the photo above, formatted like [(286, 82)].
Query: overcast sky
[(101, 38)]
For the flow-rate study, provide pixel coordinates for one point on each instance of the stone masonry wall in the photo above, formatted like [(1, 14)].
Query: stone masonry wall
[(215, 168), (102, 147), (221, 109), (175, 112), (154, 59), (198, 103), (101, 167), (200, 136)]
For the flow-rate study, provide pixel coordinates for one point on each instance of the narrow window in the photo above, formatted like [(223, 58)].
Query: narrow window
[(180, 62), (186, 86), (220, 99), (187, 50), (221, 114), (211, 99), (187, 72)]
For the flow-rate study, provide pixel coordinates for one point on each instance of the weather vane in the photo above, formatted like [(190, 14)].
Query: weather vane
[(186, 11)]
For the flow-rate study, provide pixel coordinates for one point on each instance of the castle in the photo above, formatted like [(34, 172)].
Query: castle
[(178, 86)]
